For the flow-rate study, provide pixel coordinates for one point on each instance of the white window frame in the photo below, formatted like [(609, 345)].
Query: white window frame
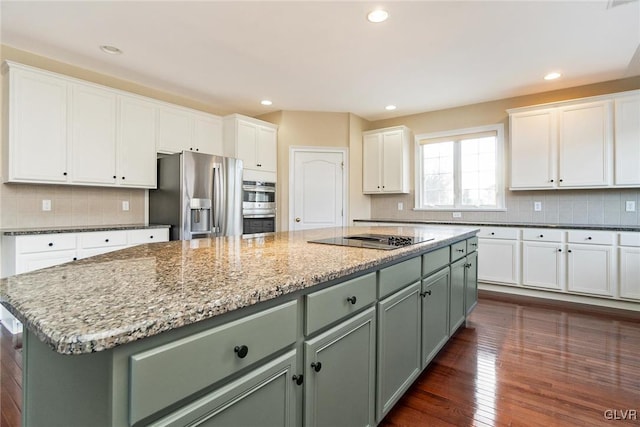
[(500, 166)]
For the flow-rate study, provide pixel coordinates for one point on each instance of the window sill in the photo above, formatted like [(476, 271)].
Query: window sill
[(461, 209)]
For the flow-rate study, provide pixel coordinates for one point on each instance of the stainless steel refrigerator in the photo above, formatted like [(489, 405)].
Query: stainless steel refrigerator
[(199, 195)]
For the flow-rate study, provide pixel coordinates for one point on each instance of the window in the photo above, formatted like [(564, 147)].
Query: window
[(460, 169)]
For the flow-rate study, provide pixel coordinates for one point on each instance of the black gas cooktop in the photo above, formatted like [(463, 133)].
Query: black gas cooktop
[(373, 241)]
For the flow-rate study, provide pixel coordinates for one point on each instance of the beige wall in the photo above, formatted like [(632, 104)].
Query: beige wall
[(303, 128), (561, 206), (359, 204)]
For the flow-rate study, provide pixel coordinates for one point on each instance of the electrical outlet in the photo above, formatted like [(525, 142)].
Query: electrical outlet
[(400, 206), (46, 205), (125, 205), (537, 206), (630, 206), (457, 214)]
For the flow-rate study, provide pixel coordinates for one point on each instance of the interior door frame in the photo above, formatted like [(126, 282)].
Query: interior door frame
[(345, 177)]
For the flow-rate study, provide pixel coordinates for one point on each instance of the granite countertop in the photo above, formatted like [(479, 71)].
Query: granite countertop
[(510, 224), (77, 229), (108, 300)]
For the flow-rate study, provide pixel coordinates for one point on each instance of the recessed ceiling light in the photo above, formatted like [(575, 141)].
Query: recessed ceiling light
[(111, 50), (552, 76), (390, 107), (378, 15), (266, 102)]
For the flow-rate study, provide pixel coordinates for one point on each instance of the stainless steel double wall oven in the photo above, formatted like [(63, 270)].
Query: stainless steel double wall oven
[(258, 207)]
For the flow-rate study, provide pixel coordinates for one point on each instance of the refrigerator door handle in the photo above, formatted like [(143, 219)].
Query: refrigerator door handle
[(216, 212)]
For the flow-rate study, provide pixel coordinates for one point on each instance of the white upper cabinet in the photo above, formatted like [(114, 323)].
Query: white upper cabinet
[(385, 160), (255, 143), (93, 135), (136, 149), (36, 147), (587, 143), (182, 129), (585, 136), (627, 140)]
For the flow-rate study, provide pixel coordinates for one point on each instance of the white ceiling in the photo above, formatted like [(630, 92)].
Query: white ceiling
[(325, 56)]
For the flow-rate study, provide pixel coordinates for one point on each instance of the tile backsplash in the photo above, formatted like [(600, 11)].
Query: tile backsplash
[(21, 206), (591, 207)]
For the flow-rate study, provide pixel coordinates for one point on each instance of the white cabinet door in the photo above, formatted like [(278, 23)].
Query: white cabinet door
[(37, 128), (371, 164), (136, 143), (266, 149), (585, 141), (533, 149), (392, 162), (627, 140), (207, 134), (174, 130), (93, 135), (247, 137), (630, 273), (543, 265), (590, 269), (499, 261)]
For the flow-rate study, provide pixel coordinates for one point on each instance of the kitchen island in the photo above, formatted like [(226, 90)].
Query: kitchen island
[(162, 333)]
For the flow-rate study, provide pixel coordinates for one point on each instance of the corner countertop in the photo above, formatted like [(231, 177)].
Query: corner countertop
[(77, 229), (108, 300), (502, 224)]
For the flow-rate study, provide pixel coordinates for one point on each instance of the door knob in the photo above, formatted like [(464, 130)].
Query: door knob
[(297, 219)]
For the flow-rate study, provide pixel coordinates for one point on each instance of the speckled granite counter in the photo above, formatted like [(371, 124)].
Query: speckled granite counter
[(495, 224), (77, 229), (109, 300)]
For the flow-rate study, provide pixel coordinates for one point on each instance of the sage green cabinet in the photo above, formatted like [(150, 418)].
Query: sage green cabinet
[(339, 374), (471, 282), (398, 346), (264, 397), (435, 314), (456, 295)]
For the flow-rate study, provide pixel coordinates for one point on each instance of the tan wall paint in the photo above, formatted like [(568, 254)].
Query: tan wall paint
[(303, 128), (359, 204)]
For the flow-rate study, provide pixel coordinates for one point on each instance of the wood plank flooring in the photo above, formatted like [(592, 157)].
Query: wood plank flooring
[(513, 365)]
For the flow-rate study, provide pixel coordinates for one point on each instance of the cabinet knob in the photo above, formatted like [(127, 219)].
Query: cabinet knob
[(551, 180), (560, 180), (123, 177), (241, 351), (151, 237), (542, 235), (569, 250), (50, 244), (589, 238), (75, 258), (197, 149), (259, 165), (106, 240), (190, 148), (492, 233), (425, 293), (559, 250), (64, 173), (316, 366), (114, 177), (460, 250), (352, 299), (297, 219), (298, 379)]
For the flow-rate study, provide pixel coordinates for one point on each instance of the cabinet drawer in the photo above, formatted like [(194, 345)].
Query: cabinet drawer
[(458, 250), (498, 233), (329, 305), (45, 243), (171, 372), (630, 239), (103, 239), (398, 276), (542, 235), (591, 236), (137, 237), (472, 244), (435, 260)]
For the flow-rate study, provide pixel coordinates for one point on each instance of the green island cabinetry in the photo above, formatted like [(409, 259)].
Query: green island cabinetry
[(340, 353)]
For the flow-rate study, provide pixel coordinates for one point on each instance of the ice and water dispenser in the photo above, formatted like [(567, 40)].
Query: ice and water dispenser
[(200, 215)]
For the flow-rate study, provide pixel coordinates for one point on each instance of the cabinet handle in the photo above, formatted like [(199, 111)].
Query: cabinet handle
[(316, 366), (352, 299), (460, 250), (298, 379), (542, 235), (474, 244), (50, 244), (425, 293), (259, 165), (241, 351)]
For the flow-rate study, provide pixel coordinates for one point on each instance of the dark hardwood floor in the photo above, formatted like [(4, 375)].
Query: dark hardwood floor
[(513, 365)]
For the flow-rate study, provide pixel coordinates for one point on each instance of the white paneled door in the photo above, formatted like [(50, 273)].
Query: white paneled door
[(318, 189)]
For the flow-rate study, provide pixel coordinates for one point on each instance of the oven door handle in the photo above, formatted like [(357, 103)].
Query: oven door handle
[(259, 216), (251, 188)]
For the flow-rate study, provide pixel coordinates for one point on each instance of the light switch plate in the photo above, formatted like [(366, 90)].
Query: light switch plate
[(457, 214), (46, 205), (125, 205), (630, 206), (400, 206), (537, 206)]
